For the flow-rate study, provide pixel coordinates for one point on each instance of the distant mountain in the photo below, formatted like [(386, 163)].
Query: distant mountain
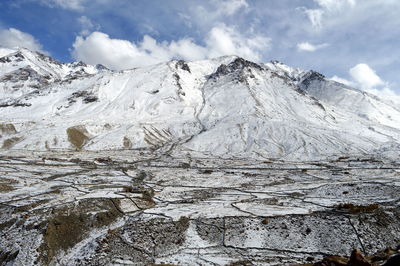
[(226, 107)]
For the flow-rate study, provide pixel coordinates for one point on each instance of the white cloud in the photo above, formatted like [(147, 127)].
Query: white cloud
[(65, 4), (343, 81), (12, 38), (223, 40), (315, 17), (230, 7), (186, 49), (207, 14), (365, 76), (327, 8), (333, 5), (308, 47), (99, 48), (87, 26)]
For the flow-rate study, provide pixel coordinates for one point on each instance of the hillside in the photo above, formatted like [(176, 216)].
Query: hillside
[(226, 107)]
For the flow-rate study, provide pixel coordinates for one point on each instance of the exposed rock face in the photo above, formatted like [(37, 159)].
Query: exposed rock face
[(311, 77), (239, 64), (183, 65), (393, 261)]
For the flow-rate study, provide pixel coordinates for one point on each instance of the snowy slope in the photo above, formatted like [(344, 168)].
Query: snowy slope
[(221, 107)]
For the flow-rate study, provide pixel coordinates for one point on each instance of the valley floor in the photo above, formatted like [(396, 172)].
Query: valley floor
[(132, 207)]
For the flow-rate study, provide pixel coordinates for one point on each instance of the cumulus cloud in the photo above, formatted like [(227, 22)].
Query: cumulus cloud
[(223, 40), (12, 38), (65, 4), (327, 8), (365, 76), (99, 48), (308, 47)]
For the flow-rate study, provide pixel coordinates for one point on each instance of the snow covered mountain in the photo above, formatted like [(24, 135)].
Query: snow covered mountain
[(226, 107)]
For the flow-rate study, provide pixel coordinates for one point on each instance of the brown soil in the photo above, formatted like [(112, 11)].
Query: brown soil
[(69, 227), (357, 208), (9, 143), (78, 136), (5, 188), (7, 129), (127, 143)]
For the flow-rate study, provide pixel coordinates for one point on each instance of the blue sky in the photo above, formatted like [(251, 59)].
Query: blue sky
[(354, 41)]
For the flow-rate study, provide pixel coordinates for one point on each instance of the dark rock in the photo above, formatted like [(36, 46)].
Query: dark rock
[(357, 259), (26, 74), (393, 261), (80, 63), (237, 65), (5, 59), (182, 65), (241, 263), (87, 97), (19, 104), (14, 103), (101, 67), (240, 63), (311, 77), (90, 99), (19, 56), (47, 58), (332, 261), (7, 256)]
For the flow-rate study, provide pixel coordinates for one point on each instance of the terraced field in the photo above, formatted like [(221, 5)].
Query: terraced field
[(135, 207)]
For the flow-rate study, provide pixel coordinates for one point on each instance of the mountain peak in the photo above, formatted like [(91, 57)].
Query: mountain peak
[(284, 70), (249, 109), (238, 64)]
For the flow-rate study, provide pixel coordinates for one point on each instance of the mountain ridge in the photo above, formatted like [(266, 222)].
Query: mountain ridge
[(223, 107)]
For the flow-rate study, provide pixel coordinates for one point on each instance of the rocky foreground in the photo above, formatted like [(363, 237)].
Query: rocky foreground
[(136, 208)]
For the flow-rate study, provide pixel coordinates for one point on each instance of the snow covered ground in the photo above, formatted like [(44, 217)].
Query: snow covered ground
[(221, 107), (122, 208), (212, 162)]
